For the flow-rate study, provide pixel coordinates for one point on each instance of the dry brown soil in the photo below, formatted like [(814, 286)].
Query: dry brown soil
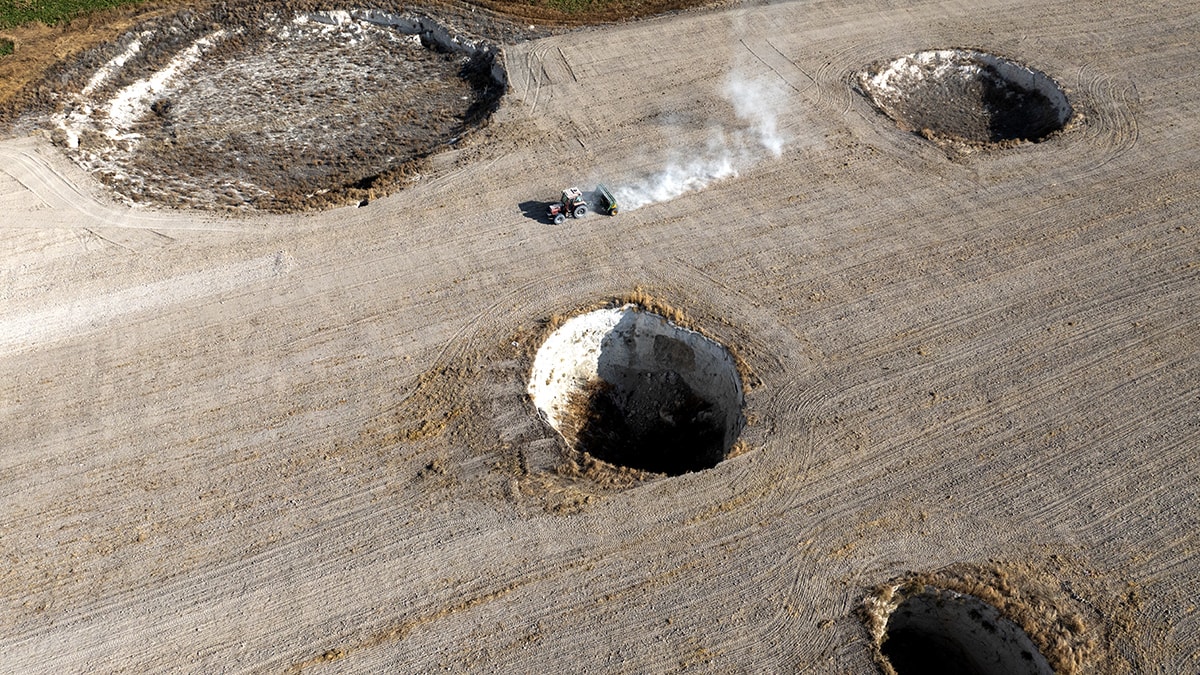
[(302, 443)]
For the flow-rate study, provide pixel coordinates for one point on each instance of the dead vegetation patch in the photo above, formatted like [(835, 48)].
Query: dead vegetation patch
[(274, 107), (39, 50), (29, 75)]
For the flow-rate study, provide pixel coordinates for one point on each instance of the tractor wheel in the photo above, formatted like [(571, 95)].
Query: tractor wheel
[(559, 218), (580, 211)]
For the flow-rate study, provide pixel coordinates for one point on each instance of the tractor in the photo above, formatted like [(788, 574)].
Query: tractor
[(573, 203)]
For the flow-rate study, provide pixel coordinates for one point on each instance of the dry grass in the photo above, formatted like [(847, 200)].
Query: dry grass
[(650, 302), (581, 411)]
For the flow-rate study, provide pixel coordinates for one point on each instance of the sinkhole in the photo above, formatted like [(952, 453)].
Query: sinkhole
[(967, 95), (942, 632), (631, 388), (247, 106)]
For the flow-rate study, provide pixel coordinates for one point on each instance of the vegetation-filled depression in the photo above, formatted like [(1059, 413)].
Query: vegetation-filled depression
[(255, 108)]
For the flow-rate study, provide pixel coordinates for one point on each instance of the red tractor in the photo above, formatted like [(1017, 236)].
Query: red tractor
[(574, 203), (571, 203)]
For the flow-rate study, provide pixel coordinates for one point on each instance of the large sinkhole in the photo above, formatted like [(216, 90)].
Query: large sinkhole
[(941, 632), (631, 388), (249, 105), (966, 95)]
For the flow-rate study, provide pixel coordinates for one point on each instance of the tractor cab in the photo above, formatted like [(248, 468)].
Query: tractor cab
[(573, 198)]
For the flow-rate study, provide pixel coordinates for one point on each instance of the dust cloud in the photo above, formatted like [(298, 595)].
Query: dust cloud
[(757, 103)]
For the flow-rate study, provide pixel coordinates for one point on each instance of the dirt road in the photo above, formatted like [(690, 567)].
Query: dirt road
[(273, 443)]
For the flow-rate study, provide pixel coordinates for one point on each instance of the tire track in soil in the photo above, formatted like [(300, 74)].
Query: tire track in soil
[(886, 345), (179, 585), (778, 394), (824, 88), (1081, 260), (29, 330), (535, 71), (780, 578), (572, 568), (517, 414), (492, 383), (845, 58), (1012, 406), (1011, 482), (520, 426), (1121, 295), (1120, 435), (61, 193), (1109, 121), (455, 347), (838, 494), (399, 631)]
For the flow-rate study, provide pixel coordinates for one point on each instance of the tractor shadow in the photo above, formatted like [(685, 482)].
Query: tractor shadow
[(534, 210)]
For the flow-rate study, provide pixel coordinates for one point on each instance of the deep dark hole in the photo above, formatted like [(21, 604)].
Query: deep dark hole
[(983, 108), (1015, 113), (944, 634), (365, 183), (660, 425), (918, 652)]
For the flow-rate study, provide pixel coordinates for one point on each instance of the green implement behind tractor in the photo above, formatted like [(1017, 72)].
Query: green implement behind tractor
[(608, 201)]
